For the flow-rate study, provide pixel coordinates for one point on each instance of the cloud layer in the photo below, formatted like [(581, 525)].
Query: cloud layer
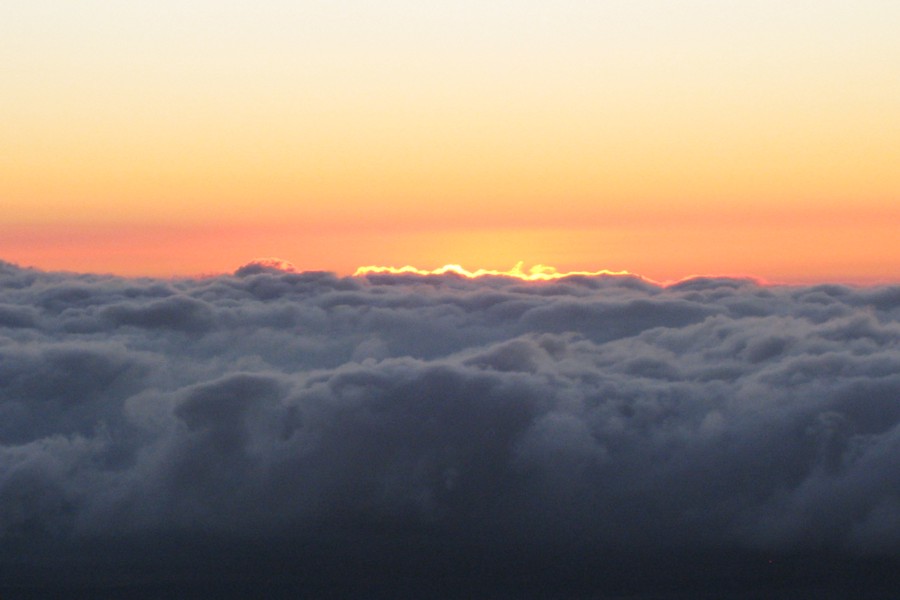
[(403, 434)]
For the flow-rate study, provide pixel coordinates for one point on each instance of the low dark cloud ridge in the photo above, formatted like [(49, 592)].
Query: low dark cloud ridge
[(305, 434)]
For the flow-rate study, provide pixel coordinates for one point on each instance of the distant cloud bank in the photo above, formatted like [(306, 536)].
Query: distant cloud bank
[(439, 436)]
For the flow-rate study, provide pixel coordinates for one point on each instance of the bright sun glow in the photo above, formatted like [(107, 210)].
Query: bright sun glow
[(535, 273)]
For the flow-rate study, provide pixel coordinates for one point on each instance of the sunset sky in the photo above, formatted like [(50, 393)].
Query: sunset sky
[(664, 138)]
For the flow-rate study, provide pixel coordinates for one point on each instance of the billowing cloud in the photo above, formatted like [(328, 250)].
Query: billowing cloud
[(443, 436)]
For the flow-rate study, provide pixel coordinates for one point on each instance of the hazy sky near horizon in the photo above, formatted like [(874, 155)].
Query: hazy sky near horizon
[(665, 138)]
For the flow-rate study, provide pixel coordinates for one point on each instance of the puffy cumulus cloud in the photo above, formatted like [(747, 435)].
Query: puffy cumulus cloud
[(302, 433)]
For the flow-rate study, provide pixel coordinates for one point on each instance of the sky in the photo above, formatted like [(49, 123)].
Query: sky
[(667, 139), (283, 434)]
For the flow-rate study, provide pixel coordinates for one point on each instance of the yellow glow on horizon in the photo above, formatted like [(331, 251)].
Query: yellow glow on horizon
[(535, 273), (794, 251)]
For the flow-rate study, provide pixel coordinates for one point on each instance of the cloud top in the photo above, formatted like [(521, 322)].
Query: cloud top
[(442, 425)]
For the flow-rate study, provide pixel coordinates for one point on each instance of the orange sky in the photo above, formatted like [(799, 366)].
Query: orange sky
[(176, 138)]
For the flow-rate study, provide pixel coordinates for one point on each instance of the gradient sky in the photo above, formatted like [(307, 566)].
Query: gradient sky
[(666, 138)]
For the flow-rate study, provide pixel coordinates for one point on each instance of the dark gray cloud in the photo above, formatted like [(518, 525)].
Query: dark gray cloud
[(442, 436)]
